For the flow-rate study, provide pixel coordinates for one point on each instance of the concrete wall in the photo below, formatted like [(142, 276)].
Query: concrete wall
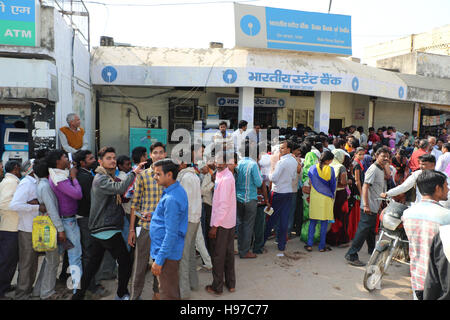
[(397, 114), (73, 65), (433, 65), (405, 63)]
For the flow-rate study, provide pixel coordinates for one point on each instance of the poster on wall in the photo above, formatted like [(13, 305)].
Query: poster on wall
[(79, 106), (360, 114)]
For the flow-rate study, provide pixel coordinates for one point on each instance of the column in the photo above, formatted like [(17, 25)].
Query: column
[(246, 105), (370, 113), (322, 111)]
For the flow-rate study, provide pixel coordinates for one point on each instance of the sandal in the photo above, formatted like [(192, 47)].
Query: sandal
[(327, 248), (308, 248)]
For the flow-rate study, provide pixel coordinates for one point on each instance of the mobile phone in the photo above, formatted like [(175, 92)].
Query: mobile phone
[(138, 214), (70, 160)]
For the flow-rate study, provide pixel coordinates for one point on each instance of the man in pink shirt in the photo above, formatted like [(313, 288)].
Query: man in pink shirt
[(221, 234)]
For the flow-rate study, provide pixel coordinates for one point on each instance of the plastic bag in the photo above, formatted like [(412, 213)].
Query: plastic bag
[(44, 236)]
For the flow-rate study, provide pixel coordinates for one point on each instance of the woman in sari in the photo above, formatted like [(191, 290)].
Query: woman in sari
[(337, 236), (310, 160), (322, 182)]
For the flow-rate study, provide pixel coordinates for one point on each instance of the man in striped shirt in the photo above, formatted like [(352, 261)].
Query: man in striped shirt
[(422, 222), (147, 194)]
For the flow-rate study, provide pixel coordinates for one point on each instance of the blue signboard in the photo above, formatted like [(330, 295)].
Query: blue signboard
[(145, 137), (274, 28)]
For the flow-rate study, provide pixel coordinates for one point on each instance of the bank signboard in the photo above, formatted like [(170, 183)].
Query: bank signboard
[(274, 28), (259, 102), (19, 22)]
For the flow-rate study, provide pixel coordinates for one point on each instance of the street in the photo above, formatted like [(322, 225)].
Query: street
[(304, 276)]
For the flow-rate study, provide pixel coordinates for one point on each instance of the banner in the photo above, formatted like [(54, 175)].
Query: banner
[(18, 22)]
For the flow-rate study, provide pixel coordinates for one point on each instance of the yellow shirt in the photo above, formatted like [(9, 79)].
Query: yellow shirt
[(9, 220)]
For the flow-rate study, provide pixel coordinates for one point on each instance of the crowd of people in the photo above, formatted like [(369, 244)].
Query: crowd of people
[(120, 216)]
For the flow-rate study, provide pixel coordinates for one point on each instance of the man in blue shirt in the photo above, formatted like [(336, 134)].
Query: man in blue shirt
[(168, 229), (247, 183)]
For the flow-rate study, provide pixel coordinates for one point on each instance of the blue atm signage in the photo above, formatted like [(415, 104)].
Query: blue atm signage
[(273, 28)]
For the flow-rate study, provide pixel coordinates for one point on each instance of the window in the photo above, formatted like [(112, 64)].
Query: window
[(302, 93)]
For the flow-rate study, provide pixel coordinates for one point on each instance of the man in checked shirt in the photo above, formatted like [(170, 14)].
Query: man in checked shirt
[(145, 199), (422, 221)]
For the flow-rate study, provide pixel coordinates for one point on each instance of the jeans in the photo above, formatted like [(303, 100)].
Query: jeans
[(126, 231), (260, 221), (45, 284), (9, 256), (292, 212), (281, 206), (364, 232), (246, 213), (312, 231), (116, 247), (73, 234), (188, 263), (86, 243)]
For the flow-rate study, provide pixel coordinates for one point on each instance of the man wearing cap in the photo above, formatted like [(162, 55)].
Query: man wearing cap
[(27, 206), (72, 137)]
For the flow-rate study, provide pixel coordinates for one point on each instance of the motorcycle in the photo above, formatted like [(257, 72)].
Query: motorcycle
[(392, 244)]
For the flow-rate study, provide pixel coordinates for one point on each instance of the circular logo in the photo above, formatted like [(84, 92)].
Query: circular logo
[(355, 84), (250, 25), (109, 74), (229, 76), (401, 92), (281, 102), (222, 101)]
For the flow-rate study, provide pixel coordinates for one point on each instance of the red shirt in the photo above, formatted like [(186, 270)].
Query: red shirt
[(414, 161), (374, 138)]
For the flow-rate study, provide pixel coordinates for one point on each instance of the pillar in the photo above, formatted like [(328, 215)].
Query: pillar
[(246, 105), (370, 113), (322, 100)]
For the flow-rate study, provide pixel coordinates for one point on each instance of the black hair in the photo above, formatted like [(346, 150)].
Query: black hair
[(327, 155), (339, 143), (242, 124), (304, 149), (40, 168), (137, 154), (11, 165), (423, 144), (105, 150), (295, 146), (427, 158), (80, 155), (428, 180), (121, 159), (167, 165), (446, 146), (360, 129), (53, 156), (371, 129), (221, 123), (156, 145), (381, 150)]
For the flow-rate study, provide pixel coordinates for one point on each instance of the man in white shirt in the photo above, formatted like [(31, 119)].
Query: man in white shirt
[(444, 160), (255, 134), (188, 265), (282, 179), (239, 136), (426, 162), (433, 148), (27, 206), (362, 136), (223, 136), (9, 221)]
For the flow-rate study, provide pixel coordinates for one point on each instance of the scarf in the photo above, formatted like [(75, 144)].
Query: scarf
[(111, 175), (58, 175)]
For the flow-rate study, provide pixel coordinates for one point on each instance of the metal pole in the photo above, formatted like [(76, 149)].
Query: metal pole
[(329, 7)]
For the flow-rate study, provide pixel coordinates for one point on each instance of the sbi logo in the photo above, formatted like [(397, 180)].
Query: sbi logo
[(109, 74), (229, 76), (355, 84), (281, 102), (222, 101), (250, 25), (401, 92)]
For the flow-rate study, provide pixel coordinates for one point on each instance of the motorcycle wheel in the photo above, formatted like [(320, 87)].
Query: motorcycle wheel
[(375, 269)]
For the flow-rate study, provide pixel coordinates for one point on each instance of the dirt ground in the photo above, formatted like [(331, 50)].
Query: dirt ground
[(300, 275)]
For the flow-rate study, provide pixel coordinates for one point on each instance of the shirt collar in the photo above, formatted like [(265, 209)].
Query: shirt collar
[(32, 179), (223, 172), (432, 201), (12, 176), (173, 186)]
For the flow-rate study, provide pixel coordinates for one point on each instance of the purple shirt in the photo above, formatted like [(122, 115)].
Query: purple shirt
[(68, 193)]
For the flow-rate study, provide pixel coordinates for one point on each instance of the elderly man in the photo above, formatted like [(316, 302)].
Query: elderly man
[(433, 148), (72, 138)]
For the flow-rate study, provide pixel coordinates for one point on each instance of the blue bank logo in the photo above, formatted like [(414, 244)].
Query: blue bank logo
[(222, 101), (355, 84), (229, 76), (281, 102), (250, 25), (109, 74), (401, 92)]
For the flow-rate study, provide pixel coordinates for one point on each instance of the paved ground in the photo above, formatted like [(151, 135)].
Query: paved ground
[(305, 276), (314, 275)]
